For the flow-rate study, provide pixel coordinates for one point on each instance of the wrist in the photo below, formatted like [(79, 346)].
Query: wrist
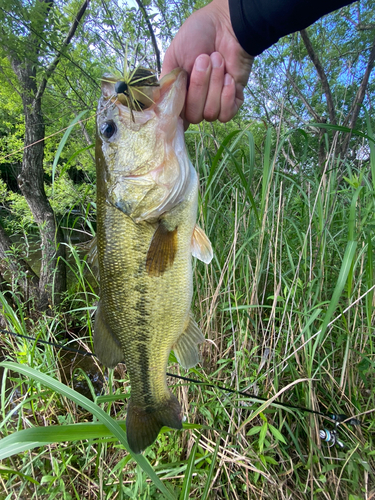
[(221, 15), (222, 5)]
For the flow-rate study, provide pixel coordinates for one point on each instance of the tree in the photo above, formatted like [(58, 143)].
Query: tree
[(25, 41), (323, 74)]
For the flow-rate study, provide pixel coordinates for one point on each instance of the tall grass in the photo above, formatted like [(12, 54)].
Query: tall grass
[(287, 306)]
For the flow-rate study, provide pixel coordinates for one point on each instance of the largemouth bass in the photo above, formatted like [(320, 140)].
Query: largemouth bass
[(146, 234)]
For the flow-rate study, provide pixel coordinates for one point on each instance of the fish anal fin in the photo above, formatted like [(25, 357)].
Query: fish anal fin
[(201, 246), (106, 344), (143, 424), (186, 347), (162, 251)]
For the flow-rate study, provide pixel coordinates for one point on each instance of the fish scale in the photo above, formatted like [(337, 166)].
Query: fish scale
[(139, 313), (145, 228)]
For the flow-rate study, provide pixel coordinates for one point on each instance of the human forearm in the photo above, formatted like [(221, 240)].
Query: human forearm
[(258, 24)]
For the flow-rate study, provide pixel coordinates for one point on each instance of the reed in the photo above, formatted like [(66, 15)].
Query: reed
[(287, 307)]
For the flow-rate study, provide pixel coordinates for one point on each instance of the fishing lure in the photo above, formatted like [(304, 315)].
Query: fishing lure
[(136, 89)]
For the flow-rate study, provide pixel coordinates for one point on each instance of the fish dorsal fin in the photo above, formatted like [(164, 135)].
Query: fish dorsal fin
[(106, 344), (162, 251), (201, 246), (186, 347)]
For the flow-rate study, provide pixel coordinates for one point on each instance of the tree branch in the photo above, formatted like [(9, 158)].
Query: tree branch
[(323, 77), (51, 68), (365, 27), (113, 26), (358, 100), (153, 38), (302, 97)]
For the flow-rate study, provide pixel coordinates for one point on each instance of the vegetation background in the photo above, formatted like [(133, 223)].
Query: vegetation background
[(287, 305)]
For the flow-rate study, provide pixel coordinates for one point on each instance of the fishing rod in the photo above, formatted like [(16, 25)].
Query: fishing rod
[(325, 434)]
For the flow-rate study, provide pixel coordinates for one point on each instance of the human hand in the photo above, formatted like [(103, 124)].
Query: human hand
[(218, 67)]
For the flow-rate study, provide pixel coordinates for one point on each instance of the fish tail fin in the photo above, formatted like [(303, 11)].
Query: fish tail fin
[(143, 424)]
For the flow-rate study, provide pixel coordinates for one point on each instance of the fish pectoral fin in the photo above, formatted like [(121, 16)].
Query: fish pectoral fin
[(201, 247), (186, 347), (162, 251), (106, 344)]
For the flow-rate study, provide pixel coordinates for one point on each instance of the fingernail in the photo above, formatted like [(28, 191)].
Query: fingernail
[(228, 79), (216, 60), (201, 63)]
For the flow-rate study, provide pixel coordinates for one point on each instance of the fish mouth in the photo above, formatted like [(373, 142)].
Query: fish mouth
[(167, 94)]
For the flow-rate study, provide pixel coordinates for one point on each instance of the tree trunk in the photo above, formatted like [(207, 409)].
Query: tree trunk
[(52, 280), (322, 76)]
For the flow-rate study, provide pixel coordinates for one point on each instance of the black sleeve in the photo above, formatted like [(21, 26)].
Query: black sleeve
[(258, 24)]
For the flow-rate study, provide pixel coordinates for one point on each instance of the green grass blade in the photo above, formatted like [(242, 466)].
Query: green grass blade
[(74, 155), (11, 316), (369, 282), (40, 436), (16, 448), (251, 154), (267, 168), (35, 437), (340, 128), (352, 216), (189, 473), (100, 414), (217, 157), (7, 470), (206, 490), (344, 272), (62, 144), (246, 185), (372, 148)]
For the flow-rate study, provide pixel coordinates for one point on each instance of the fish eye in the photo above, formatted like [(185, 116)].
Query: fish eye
[(108, 129), (121, 87)]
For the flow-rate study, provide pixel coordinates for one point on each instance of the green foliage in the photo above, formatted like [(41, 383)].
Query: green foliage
[(21, 218), (3, 189), (287, 304), (15, 443)]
